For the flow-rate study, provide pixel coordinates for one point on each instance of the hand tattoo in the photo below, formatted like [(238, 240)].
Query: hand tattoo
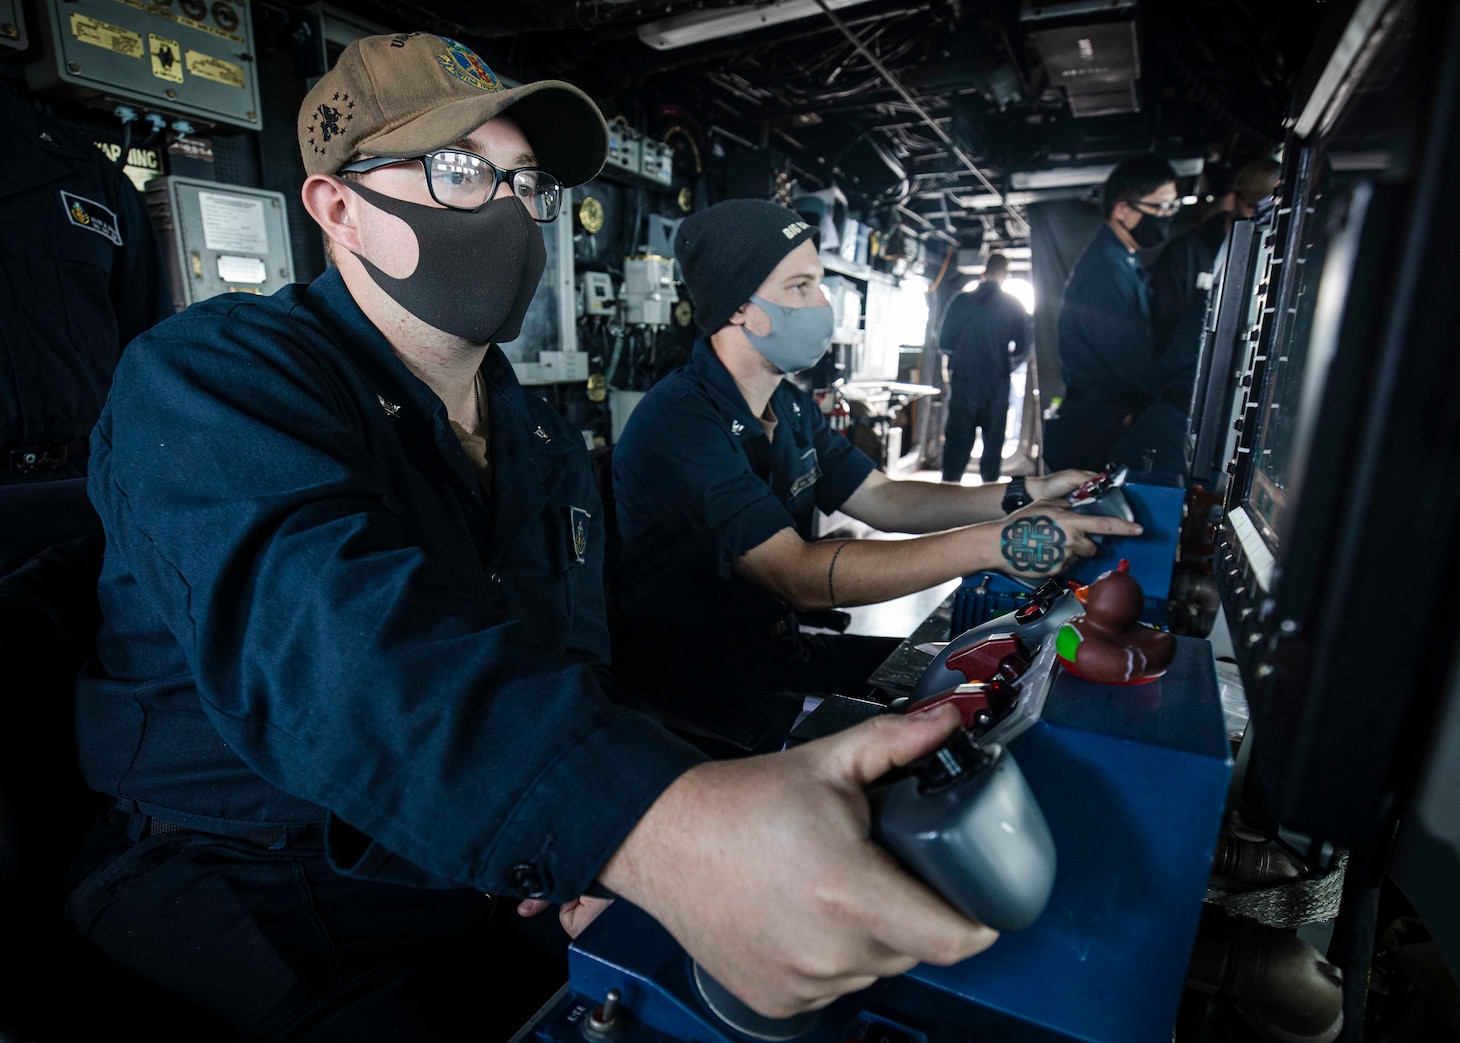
[(1034, 544)]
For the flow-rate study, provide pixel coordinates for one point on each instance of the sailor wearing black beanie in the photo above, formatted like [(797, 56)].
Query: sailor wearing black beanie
[(718, 479), (726, 252)]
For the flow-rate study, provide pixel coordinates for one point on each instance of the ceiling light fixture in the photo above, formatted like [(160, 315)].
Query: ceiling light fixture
[(699, 26)]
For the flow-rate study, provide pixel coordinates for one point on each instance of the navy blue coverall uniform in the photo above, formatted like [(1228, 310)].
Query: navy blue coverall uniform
[(986, 335), (1112, 370), (341, 691), (1177, 283), (697, 484), (80, 276)]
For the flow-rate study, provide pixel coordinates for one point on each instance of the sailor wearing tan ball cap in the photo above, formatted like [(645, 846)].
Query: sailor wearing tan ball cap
[(353, 673)]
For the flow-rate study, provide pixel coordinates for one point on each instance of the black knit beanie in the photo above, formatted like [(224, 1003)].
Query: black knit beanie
[(726, 251)]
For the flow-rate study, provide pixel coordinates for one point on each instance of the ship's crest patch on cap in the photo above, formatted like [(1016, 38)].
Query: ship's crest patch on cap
[(460, 61)]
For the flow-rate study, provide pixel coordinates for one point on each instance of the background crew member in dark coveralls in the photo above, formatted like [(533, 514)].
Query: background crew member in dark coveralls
[(985, 336), (1181, 279), (720, 471), (1183, 272), (352, 672), (1108, 355), (80, 276)]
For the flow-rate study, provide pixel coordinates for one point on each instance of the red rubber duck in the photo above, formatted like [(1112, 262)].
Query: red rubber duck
[(1108, 644)]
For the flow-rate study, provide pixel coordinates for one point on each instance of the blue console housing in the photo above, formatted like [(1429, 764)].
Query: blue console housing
[(1157, 499), (1132, 781)]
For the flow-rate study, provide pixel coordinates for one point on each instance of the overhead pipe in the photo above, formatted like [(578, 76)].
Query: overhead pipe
[(932, 124), (888, 158), (932, 228)]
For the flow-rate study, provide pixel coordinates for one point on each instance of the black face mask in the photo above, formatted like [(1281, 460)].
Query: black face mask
[(477, 269), (1151, 231)]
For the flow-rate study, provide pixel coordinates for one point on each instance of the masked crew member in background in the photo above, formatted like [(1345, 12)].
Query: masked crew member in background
[(1182, 273), (1111, 367), (722, 467), (1181, 280), (351, 680)]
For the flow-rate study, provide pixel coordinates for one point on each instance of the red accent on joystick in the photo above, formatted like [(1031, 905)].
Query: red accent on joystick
[(980, 703), (997, 657)]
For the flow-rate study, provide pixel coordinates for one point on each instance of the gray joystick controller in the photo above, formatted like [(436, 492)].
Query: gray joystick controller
[(964, 820)]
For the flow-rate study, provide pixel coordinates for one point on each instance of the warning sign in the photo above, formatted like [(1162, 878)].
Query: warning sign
[(104, 34), (215, 69), (166, 58), (233, 222)]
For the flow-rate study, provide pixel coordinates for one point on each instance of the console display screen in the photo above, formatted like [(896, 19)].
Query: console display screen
[(1300, 357)]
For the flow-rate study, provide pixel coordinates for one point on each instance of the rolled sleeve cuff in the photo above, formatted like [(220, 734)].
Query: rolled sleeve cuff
[(760, 520), (842, 477)]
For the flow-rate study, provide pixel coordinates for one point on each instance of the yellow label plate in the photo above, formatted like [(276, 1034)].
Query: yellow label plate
[(166, 58), (104, 34), (215, 69)]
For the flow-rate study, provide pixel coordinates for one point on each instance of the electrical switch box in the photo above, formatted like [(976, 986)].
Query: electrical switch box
[(623, 147), (595, 294), (189, 59), (656, 161), (649, 292), (220, 238)]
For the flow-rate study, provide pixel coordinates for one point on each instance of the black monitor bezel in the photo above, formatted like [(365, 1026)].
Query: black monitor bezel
[(1221, 357), (1337, 688)]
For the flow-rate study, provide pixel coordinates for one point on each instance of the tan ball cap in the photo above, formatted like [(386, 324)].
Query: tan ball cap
[(407, 94)]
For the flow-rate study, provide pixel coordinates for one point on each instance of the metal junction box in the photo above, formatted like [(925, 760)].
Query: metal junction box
[(220, 238), (648, 290), (185, 58)]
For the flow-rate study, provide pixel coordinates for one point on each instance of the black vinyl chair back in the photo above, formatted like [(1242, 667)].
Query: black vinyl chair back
[(50, 558)]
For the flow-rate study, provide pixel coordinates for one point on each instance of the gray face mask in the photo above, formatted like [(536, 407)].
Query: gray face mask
[(798, 336), (477, 272)]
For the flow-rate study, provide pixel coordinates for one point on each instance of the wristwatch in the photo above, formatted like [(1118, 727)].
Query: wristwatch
[(1015, 496)]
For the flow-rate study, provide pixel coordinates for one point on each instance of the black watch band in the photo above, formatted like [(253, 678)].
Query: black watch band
[(1015, 496)]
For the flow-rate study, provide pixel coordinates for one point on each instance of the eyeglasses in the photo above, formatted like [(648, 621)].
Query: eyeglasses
[(464, 181), (1165, 209)]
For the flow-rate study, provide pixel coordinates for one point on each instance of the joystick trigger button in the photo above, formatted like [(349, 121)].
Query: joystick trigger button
[(972, 701), (1029, 612)]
